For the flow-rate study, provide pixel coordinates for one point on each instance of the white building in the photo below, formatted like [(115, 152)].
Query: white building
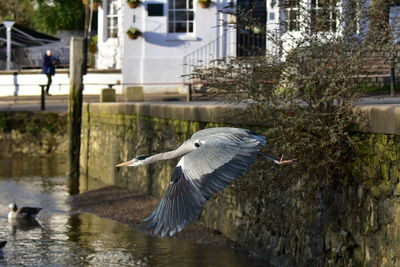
[(171, 30), (180, 33)]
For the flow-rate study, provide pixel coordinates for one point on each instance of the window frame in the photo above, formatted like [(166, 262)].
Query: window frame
[(306, 19), (333, 12), (184, 35), (111, 29), (288, 9)]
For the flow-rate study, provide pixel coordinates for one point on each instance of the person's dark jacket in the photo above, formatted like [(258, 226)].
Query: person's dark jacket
[(48, 66)]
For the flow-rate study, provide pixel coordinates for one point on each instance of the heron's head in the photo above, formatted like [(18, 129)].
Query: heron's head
[(13, 206), (133, 162)]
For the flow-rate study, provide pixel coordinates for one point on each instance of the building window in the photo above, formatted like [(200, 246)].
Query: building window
[(355, 16), (292, 14), (112, 18), (180, 16), (324, 15)]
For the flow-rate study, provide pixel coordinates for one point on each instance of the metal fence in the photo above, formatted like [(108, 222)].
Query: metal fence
[(31, 58)]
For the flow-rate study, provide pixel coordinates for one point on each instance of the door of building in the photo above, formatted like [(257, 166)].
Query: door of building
[(251, 23)]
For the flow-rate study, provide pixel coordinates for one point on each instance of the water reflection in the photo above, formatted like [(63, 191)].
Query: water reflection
[(63, 237), (22, 225), (86, 184), (19, 167)]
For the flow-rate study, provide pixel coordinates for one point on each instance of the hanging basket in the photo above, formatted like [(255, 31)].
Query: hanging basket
[(133, 4), (133, 36), (94, 5), (204, 4), (133, 33)]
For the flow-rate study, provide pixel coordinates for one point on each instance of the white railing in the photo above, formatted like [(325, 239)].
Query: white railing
[(206, 56)]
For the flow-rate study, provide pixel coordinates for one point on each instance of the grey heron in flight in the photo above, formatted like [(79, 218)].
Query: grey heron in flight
[(211, 159)]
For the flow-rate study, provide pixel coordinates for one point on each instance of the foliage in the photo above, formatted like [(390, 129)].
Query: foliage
[(133, 3), (19, 11), (51, 16), (304, 92), (204, 3), (93, 44), (46, 16), (134, 31)]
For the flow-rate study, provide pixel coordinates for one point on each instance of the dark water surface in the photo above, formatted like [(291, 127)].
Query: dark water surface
[(64, 237)]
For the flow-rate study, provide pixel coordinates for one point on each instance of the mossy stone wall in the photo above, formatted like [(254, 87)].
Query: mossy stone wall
[(354, 223)]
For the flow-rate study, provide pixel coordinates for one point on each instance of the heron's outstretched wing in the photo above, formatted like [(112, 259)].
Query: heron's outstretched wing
[(199, 175), (181, 203)]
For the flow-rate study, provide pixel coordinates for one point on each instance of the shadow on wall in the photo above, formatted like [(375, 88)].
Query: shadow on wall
[(15, 82), (161, 39)]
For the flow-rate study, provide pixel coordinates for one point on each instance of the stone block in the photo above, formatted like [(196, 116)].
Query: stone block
[(107, 95), (134, 94), (380, 119)]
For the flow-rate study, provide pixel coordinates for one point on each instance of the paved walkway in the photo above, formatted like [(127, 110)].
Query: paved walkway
[(380, 100), (60, 103)]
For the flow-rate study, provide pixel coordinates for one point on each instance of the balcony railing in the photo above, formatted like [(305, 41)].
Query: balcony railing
[(206, 56)]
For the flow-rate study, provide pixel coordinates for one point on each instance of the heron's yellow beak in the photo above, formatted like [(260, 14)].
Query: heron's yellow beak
[(126, 163)]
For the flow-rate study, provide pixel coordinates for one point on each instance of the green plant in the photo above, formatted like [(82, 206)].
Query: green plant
[(20, 11), (133, 3), (93, 44), (133, 33), (52, 16), (204, 3)]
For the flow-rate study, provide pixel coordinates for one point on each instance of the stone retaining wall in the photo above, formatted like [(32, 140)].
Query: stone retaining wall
[(350, 224)]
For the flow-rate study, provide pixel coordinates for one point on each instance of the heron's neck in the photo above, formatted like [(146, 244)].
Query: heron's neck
[(180, 151)]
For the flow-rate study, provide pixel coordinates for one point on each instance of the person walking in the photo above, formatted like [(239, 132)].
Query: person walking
[(49, 68)]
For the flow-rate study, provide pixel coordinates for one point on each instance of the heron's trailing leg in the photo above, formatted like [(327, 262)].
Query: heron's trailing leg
[(279, 161)]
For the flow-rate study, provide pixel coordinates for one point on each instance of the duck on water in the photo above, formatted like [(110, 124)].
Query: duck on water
[(2, 245), (26, 213)]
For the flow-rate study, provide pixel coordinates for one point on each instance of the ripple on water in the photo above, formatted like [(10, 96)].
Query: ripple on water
[(63, 237)]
